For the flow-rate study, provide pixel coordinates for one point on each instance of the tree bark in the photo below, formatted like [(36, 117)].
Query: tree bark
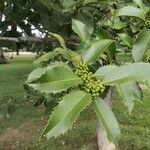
[(23, 39), (103, 142), (2, 57), (1, 54), (17, 51), (34, 40)]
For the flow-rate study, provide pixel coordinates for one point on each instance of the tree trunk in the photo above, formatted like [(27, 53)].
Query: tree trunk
[(2, 57), (17, 51), (103, 142), (1, 54)]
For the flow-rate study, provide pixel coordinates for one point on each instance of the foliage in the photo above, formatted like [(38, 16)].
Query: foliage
[(56, 78), (114, 27), (134, 127), (107, 118), (141, 45), (96, 50), (61, 73), (62, 118)]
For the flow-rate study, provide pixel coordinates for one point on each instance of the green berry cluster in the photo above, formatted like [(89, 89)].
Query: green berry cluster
[(90, 85), (147, 24)]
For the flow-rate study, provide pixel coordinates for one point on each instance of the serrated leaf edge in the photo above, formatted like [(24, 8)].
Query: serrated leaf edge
[(64, 117)]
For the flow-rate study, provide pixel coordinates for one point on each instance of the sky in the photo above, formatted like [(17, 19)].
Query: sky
[(34, 31)]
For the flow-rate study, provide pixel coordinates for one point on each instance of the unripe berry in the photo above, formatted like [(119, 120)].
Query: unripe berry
[(147, 24), (90, 85), (87, 90)]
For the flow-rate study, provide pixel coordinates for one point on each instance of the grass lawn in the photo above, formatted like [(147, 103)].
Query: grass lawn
[(12, 78), (23, 122)]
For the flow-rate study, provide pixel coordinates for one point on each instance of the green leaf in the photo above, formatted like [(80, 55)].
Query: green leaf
[(68, 54), (58, 77), (105, 23), (87, 18), (141, 45), (45, 3), (118, 24), (60, 39), (147, 53), (108, 120), (45, 57), (148, 85), (111, 50), (68, 4), (66, 113), (35, 74), (75, 57), (103, 34), (129, 92), (89, 1), (141, 5), (126, 39), (80, 29), (103, 71), (93, 51), (131, 11), (128, 72)]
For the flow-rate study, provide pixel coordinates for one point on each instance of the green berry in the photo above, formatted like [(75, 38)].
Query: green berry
[(147, 24), (90, 73), (90, 85), (87, 90)]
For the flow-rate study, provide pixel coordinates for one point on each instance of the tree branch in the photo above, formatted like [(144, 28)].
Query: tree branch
[(24, 39), (10, 17), (34, 39)]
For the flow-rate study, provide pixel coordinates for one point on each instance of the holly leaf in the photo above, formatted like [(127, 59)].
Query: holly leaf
[(103, 71), (68, 4), (57, 77), (141, 45), (128, 72), (45, 57), (66, 113), (49, 55), (81, 30), (35, 74), (108, 120), (60, 39), (141, 5), (148, 85), (126, 39), (130, 92), (132, 11), (93, 51)]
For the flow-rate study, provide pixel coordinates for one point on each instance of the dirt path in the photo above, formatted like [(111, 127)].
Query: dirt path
[(21, 137)]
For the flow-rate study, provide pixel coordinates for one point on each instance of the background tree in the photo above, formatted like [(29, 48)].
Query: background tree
[(99, 19), (97, 48)]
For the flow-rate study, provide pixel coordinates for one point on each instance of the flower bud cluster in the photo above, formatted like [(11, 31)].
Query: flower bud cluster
[(147, 24), (90, 85)]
